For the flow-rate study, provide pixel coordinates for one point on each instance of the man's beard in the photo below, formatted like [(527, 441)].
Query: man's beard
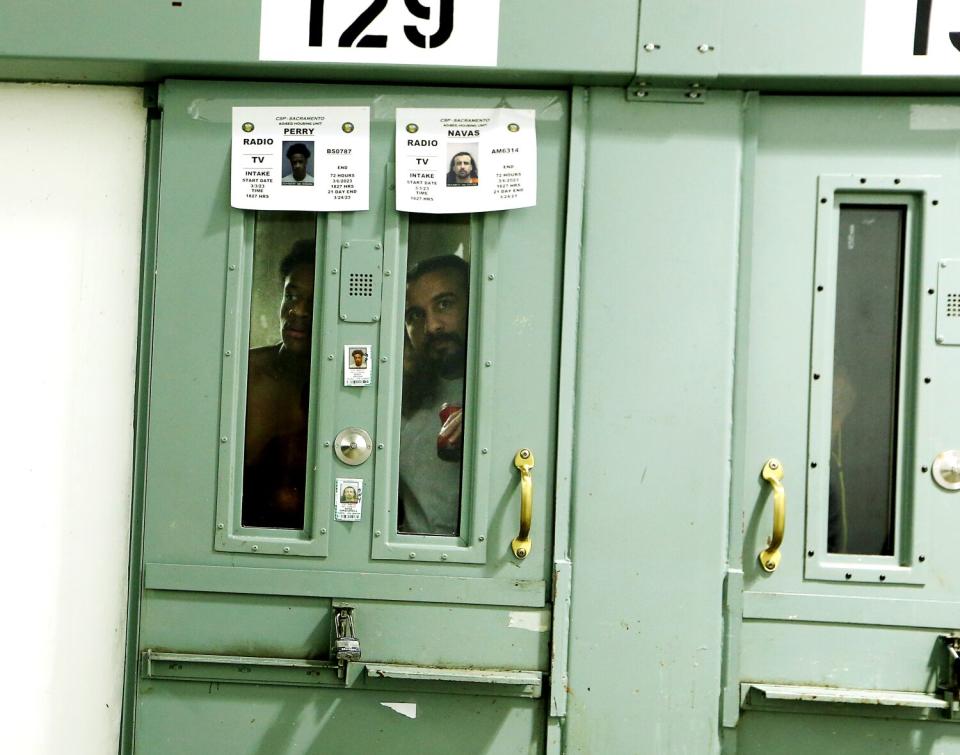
[(451, 361)]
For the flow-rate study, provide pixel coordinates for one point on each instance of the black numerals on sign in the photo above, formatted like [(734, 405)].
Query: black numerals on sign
[(441, 35), (374, 9), (921, 29), (316, 23), (363, 21)]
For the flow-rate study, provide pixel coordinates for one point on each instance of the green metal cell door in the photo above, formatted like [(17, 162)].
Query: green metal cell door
[(846, 426), (306, 585)]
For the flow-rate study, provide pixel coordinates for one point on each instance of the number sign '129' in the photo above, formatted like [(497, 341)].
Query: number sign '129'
[(410, 32)]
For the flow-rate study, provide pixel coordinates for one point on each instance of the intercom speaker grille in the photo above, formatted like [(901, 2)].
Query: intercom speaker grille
[(953, 305), (361, 280), (360, 284)]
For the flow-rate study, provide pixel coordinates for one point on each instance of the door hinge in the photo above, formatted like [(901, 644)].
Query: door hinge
[(641, 90)]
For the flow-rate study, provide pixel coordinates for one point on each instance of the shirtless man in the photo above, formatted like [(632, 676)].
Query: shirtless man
[(278, 402)]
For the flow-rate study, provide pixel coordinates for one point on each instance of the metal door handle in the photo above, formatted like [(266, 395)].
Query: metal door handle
[(773, 473), (524, 462)]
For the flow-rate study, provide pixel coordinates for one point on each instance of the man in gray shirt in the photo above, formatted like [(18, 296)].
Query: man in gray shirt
[(431, 432)]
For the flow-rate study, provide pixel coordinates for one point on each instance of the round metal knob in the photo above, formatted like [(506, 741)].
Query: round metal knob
[(946, 470), (353, 446)]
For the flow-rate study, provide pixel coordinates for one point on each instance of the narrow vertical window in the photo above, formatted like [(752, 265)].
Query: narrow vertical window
[(434, 414), (278, 371), (866, 379)]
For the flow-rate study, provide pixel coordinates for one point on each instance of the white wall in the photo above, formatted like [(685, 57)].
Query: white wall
[(71, 192)]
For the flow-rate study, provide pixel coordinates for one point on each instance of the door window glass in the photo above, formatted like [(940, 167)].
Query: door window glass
[(434, 414), (278, 371), (863, 448)]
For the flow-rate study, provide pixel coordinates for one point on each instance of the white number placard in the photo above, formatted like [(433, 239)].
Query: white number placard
[(453, 160), (300, 158), (411, 32), (911, 37)]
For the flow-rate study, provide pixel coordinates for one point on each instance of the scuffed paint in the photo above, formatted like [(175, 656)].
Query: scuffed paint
[(404, 709), (532, 621)]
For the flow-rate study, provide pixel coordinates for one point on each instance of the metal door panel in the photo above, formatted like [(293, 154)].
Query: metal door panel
[(441, 618), (802, 623)]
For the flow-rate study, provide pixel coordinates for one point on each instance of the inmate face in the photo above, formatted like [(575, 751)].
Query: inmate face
[(278, 382), (435, 358)]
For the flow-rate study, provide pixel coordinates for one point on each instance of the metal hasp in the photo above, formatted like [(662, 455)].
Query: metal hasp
[(346, 646), (773, 473), (949, 687), (946, 470), (353, 446), (522, 544)]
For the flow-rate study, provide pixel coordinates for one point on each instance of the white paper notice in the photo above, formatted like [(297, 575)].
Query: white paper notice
[(303, 158), (465, 160), (356, 365), (348, 500)]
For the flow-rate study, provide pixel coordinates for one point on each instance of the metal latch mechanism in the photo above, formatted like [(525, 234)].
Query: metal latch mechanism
[(346, 646), (949, 687)]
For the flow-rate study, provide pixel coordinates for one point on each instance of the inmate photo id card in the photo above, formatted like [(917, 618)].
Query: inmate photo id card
[(356, 365), (348, 500), (313, 159), (466, 160)]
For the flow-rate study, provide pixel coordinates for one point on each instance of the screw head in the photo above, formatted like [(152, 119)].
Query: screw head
[(413, 555), (333, 271), (223, 438), (378, 246), (704, 48), (377, 533), (481, 539), (219, 525), (383, 359), (254, 548), (491, 277), (233, 267), (286, 549), (525, 453), (939, 339), (521, 552), (484, 450), (386, 273), (487, 363), (774, 465), (443, 556), (323, 530), (650, 46), (346, 244)]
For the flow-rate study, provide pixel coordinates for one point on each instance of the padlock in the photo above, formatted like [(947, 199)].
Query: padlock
[(347, 648)]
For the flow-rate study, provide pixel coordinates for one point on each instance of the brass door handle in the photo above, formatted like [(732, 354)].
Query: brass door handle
[(524, 462), (773, 473)]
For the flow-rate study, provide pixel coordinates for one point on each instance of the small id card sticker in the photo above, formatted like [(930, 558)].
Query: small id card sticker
[(348, 500), (356, 365)]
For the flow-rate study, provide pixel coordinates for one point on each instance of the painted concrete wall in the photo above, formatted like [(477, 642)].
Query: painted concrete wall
[(70, 211), (653, 424)]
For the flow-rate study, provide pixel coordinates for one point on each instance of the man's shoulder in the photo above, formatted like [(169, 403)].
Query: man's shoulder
[(263, 359)]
